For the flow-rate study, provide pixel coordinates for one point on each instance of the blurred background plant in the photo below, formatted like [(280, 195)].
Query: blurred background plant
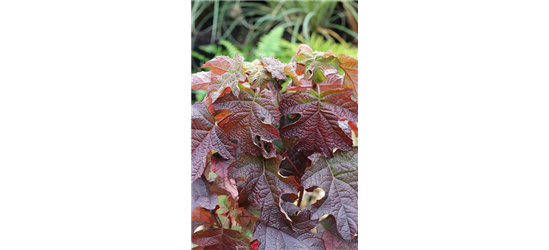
[(270, 28)]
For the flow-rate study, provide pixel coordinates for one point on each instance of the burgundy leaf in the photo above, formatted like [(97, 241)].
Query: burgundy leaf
[(332, 238), (318, 128), (253, 120), (294, 163), (301, 218), (201, 196), (201, 217), (284, 237), (261, 186), (338, 177), (206, 136), (275, 67), (259, 183), (220, 239), (201, 80), (221, 168)]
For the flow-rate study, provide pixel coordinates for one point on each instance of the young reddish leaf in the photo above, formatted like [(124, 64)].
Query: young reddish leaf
[(237, 214), (315, 63), (354, 128), (222, 64), (318, 127), (275, 67), (221, 168), (332, 238), (333, 81), (303, 52), (291, 72), (206, 136), (259, 183), (253, 120), (226, 73), (338, 176), (219, 64), (220, 239), (258, 76), (201, 196), (222, 84), (350, 67), (201, 217), (201, 80)]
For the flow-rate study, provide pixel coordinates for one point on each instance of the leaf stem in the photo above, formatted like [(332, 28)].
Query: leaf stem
[(301, 191), (216, 218)]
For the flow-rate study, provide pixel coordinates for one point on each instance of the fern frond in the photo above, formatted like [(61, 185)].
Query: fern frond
[(231, 49), (269, 45)]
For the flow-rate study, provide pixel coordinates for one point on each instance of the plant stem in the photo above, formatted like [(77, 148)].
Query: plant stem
[(301, 191), (216, 218)]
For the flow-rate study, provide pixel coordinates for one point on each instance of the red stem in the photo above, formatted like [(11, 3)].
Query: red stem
[(301, 191)]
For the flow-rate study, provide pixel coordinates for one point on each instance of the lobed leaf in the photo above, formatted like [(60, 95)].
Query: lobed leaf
[(275, 67), (332, 238), (200, 195), (318, 126), (201, 80), (338, 177), (258, 182), (220, 239), (253, 120), (205, 137), (258, 76), (350, 67)]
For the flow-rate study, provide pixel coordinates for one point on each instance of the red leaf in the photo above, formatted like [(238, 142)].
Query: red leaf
[(315, 63), (201, 196), (221, 168), (253, 120), (332, 238), (201, 80), (294, 163), (350, 66), (259, 183), (275, 67), (318, 127), (301, 219), (333, 81), (258, 76), (220, 239), (278, 234), (206, 136), (338, 177), (228, 82), (226, 73), (201, 217), (222, 64)]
